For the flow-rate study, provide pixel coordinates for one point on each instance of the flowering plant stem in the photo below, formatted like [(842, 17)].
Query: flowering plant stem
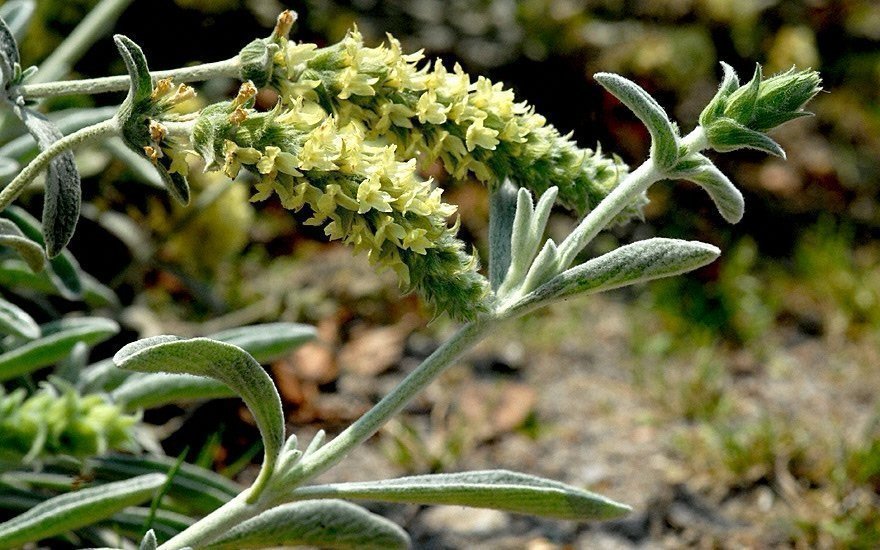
[(196, 73), (635, 183), (88, 134), (280, 490)]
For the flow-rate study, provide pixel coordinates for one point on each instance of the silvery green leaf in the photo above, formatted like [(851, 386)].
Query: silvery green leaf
[(267, 342), (502, 209), (198, 489), (31, 252), (149, 541), (726, 134), (727, 198), (63, 194), (57, 340), (741, 103), (151, 390), (77, 509), (136, 107), (9, 58), (14, 320), (228, 364), (96, 294), (325, 524), (545, 267), (17, 14), (630, 264), (100, 376), (256, 63), (664, 136), (715, 108), (64, 271), (495, 489)]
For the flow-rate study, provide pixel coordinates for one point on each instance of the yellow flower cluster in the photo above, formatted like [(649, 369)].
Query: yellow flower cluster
[(359, 191), (473, 127)]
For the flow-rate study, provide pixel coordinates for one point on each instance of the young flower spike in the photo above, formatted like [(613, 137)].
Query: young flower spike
[(738, 116), (472, 127), (357, 190)]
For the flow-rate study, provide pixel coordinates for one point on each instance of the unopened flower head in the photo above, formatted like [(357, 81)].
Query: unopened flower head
[(358, 190), (738, 115), (475, 127)]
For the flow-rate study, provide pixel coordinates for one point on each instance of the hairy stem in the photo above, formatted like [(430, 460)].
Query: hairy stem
[(279, 491), (637, 182), (370, 423), (93, 26), (196, 73), (85, 135)]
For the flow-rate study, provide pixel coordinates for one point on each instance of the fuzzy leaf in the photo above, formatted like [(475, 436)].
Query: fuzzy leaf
[(326, 524), (17, 14), (664, 136), (9, 58), (741, 103), (63, 196), (495, 489), (545, 267), (13, 320), (151, 390), (726, 134), (149, 541), (134, 111), (715, 108), (502, 210), (630, 264), (230, 365), (31, 252), (59, 338), (268, 341), (727, 198), (64, 271), (77, 509)]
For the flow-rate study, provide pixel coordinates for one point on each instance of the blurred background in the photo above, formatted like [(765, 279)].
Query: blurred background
[(736, 406)]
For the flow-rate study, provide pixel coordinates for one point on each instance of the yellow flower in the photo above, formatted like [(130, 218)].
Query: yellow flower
[(479, 135), (370, 195), (430, 110), (322, 148), (416, 241), (352, 82)]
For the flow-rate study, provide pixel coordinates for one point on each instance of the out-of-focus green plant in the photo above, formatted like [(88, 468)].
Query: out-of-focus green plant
[(342, 140)]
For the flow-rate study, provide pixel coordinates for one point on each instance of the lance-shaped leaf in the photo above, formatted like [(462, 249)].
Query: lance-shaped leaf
[(9, 58), (63, 196), (664, 136), (726, 134), (30, 251), (502, 211), (715, 108), (147, 391), (630, 264), (59, 338), (149, 541), (136, 110), (77, 509), (230, 365), (702, 171), (197, 489), (267, 342), (64, 271), (17, 14), (14, 320), (325, 524), (495, 489), (525, 238)]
